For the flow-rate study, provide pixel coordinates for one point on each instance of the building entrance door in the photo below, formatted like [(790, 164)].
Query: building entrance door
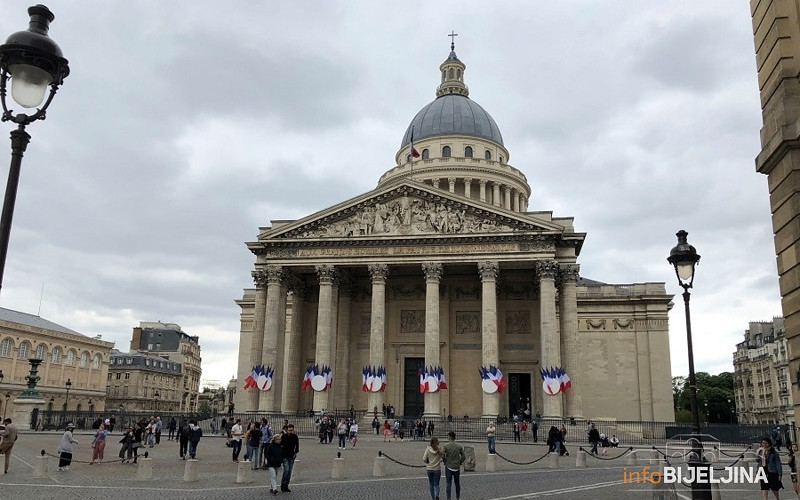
[(413, 401), (519, 392)]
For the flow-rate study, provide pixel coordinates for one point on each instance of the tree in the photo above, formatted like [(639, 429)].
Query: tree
[(714, 397)]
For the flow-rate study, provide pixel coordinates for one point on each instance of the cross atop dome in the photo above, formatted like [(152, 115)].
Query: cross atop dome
[(453, 36), (452, 73)]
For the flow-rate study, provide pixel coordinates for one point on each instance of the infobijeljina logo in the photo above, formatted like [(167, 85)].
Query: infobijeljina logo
[(703, 475)]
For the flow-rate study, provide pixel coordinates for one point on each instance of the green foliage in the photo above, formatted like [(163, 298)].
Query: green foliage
[(715, 398), (683, 416)]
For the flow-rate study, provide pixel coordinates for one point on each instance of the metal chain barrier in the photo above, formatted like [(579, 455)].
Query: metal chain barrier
[(121, 460), (382, 454), (522, 463), (731, 465), (740, 455), (626, 452)]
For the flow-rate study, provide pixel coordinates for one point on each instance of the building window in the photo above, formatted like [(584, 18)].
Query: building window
[(501, 159), (125, 390), (70, 357), (425, 154), (128, 361), (109, 376), (127, 375), (118, 376), (149, 347), (468, 152), (116, 390), (96, 361), (24, 350), (446, 152), (84, 360), (487, 155), (55, 357), (5, 348)]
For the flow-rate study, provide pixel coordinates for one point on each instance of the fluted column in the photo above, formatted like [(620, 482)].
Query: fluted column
[(343, 372), (433, 276), (451, 184), (507, 197), (272, 322), (468, 187), (568, 309), (257, 339), (377, 332), (551, 344), (515, 200), (293, 364), (490, 353), (496, 194), (521, 202), (322, 354), (482, 185)]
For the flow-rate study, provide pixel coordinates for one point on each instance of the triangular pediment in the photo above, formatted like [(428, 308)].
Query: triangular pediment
[(408, 209)]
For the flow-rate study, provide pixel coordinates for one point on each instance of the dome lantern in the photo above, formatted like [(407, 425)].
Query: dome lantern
[(452, 73)]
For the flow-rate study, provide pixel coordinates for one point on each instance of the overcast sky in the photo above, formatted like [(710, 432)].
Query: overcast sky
[(184, 126)]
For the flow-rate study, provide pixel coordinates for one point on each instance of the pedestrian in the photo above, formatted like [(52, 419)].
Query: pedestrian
[(524, 430), (253, 443), (195, 433), (376, 424), (554, 440), (453, 458), (564, 441), (111, 423), (354, 433), (535, 431), (66, 447), (604, 444), (770, 462), (490, 437), (266, 437), (151, 433), (387, 430), (138, 436), (8, 436), (173, 426), (273, 459), (213, 427), (433, 464), (516, 431), (614, 441), (236, 440), (430, 428), (183, 438), (99, 444), (594, 439), (158, 427), (223, 428), (290, 445), (793, 469), (396, 429), (126, 452), (341, 431)]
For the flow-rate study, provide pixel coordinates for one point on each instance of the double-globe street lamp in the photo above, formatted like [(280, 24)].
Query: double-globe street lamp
[(33, 62), (684, 258)]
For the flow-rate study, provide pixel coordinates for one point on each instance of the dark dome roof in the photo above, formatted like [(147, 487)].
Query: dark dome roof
[(453, 114)]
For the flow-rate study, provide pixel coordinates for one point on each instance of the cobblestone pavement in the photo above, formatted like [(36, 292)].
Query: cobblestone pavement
[(312, 474)]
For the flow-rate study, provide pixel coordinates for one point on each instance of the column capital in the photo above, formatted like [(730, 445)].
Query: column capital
[(326, 274), (568, 273), (432, 270), (274, 274), (482, 182), (488, 269), (379, 272), (467, 180), (259, 278), (546, 269)]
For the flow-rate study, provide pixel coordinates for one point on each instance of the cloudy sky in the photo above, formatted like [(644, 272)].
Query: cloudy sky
[(184, 126)]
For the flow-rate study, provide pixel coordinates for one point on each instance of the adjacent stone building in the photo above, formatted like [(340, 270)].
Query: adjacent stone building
[(444, 264), (141, 382), (66, 356), (761, 376)]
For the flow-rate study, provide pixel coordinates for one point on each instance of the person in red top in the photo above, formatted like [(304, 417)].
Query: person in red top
[(387, 430)]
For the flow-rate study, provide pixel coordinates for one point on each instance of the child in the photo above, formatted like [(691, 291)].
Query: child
[(604, 443)]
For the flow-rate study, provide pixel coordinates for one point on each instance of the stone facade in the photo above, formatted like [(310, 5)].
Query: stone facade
[(442, 264), (761, 375), (138, 382), (776, 30)]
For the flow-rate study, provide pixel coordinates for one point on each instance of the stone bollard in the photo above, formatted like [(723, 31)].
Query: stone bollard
[(379, 467), (192, 471), (491, 462), (469, 463), (338, 468), (40, 470), (244, 473), (655, 457), (580, 459), (144, 469), (552, 460), (631, 460)]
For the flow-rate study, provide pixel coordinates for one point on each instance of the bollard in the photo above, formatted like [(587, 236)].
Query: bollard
[(715, 491), (192, 471), (655, 457), (40, 470), (552, 461), (338, 468), (144, 469), (244, 473), (631, 460), (379, 467), (491, 462), (580, 459)]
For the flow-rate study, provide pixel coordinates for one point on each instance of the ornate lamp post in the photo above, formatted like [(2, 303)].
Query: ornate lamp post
[(33, 62), (5, 407), (157, 396), (68, 385), (684, 258)]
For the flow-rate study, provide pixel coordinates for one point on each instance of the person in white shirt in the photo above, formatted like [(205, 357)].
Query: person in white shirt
[(236, 439), (354, 433)]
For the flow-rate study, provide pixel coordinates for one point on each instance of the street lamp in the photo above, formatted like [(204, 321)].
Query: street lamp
[(68, 384), (157, 395), (1, 376), (5, 407), (705, 403), (33, 62), (684, 258)]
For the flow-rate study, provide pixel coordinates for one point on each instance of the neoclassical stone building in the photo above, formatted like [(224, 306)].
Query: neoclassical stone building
[(443, 264)]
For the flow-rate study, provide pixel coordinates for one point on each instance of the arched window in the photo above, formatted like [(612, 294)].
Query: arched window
[(468, 152), (450, 73), (487, 155), (41, 351), (5, 348), (501, 159), (84, 362), (425, 154), (55, 357), (70, 357), (443, 75), (96, 361), (408, 158), (24, 350), (458, 75), (446, 152), (50, 406)]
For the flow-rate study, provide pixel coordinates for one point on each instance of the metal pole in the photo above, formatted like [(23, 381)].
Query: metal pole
[(19, 142)]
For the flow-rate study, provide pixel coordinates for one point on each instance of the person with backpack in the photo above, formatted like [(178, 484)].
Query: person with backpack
[(266, 437), (195, 433), (183, 438)]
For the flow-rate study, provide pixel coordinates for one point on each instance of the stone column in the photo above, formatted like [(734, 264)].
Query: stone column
[(468, 187), (482, 184), (490, 354), (548, 328), (377, 332), (507, 197), (515, 199), (571, 354), (272, 321), (322, 354), (257, 335), (433, 275), (293, 364), (521, 201), (496, 194), (343, 371), (451, 184)]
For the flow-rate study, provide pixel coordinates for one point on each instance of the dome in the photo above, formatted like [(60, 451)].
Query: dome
[(453, 114)]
